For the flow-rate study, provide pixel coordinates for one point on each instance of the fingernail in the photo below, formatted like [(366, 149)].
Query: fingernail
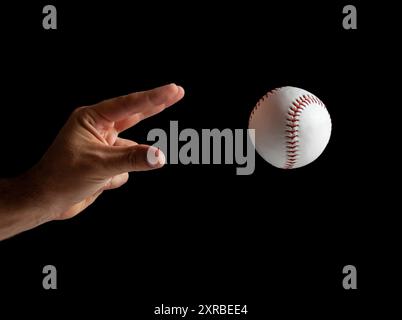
[(155, 157), (160, 156)]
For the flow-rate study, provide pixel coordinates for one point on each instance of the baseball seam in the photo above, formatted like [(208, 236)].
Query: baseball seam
[(265, 97), (292, 127), (292, 123)]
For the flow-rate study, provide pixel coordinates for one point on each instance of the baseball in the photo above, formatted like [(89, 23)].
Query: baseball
[(292, 127)]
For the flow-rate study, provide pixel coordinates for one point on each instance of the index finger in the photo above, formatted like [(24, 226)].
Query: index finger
[(122, 107)]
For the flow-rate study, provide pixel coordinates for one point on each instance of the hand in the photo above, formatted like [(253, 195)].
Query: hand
[(88, 157)]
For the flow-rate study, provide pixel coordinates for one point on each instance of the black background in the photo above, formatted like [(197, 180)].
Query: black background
[(276, 240)]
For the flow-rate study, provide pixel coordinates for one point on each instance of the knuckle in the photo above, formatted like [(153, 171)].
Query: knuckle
[(92, 162), (85, 116), (133, 159), (130, 99), (123, 100), (78, 112)]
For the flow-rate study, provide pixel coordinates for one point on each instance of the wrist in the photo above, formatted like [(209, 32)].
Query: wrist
[(35, 196), (23, 205)]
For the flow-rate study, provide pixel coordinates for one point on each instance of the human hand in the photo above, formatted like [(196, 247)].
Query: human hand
[(88, 157)]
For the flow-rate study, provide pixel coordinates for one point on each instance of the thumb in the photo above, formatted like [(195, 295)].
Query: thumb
[(140, 157)]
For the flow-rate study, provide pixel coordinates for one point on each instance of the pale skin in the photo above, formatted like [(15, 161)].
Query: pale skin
[(86, 158)]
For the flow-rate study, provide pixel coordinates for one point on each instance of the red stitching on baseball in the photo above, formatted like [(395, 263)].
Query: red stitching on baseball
[(265, 97), (292, 127), (292, 123)]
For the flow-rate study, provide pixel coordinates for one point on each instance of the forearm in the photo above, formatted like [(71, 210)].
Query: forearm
[(22, 205)]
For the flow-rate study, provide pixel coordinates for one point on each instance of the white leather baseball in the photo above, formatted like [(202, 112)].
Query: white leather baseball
[(292, 127)]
